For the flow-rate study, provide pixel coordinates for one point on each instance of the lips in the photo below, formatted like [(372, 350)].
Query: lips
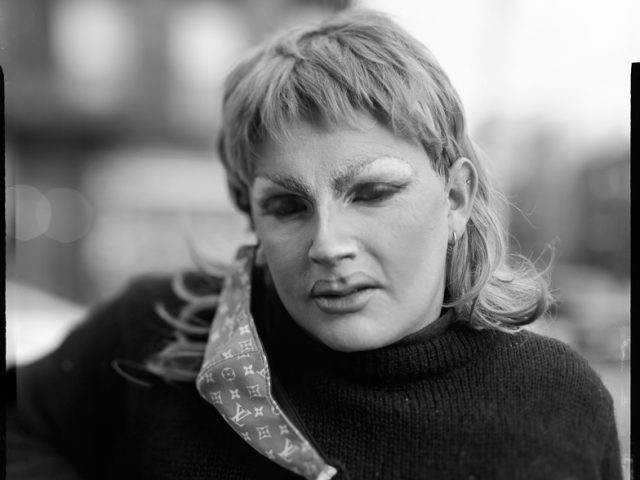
[(343, 295), (342, 286)]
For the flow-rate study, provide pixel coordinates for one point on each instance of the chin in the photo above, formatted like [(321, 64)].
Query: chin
[(351, 337)]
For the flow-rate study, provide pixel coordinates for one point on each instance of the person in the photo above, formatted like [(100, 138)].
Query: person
[(376, 329)]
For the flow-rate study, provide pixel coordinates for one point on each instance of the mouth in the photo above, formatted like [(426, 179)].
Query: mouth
[(344, 295)]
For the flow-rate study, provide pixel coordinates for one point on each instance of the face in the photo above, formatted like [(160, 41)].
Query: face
[(353, 224)]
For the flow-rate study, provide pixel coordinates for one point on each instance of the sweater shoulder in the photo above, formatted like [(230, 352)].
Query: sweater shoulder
[(146, 290), (146, 301), (553, 367), (129, 325)]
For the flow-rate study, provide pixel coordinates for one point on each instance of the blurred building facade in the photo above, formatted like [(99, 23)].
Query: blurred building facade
[(112, 109), (97, 92), (111, 112)]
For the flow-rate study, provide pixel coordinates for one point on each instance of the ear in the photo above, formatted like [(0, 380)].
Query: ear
[(461, 193)]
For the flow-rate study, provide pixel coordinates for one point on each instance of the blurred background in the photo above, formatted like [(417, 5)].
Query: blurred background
[(111, 172)]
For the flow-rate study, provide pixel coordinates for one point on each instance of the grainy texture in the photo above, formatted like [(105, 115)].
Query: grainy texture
[(458, 404)]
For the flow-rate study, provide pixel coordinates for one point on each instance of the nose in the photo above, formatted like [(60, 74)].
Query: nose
[(331, 241)]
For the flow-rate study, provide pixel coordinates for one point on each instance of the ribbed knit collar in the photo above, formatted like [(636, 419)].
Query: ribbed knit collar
[(443, 345)]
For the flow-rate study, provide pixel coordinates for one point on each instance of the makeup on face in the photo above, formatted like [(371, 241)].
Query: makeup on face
[(352, 222), (366, 181)]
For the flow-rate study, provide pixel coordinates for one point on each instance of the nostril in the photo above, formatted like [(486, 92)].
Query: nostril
[(332, 255), (331, 242)]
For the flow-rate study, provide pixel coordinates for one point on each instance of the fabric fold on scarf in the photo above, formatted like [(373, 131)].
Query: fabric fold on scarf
[(235, 378)]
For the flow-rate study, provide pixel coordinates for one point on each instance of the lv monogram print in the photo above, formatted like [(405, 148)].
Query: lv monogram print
[(235, 379)]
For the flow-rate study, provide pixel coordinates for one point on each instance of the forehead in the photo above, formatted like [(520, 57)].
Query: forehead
[(309, 149)]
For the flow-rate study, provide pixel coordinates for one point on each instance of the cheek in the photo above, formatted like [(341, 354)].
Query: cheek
[(426, 227), (416, 242), (283, 250)]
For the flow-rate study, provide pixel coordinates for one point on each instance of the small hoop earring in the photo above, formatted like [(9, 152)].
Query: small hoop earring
[(455, 239)]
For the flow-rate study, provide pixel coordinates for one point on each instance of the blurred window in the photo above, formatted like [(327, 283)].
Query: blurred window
[(205, 39), (93, 45)]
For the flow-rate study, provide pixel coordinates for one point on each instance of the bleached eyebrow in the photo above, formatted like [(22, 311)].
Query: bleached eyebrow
[(345, 178), (340, 182), (289, 183)]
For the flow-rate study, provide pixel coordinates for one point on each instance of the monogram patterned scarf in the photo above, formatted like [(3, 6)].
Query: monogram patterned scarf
[(235, 379)]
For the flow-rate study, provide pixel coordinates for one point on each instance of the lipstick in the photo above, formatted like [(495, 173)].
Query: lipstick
[(343, 295)]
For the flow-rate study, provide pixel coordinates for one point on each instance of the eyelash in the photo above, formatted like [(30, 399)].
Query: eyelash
[(281, 206), (289, 205), (374, 192)]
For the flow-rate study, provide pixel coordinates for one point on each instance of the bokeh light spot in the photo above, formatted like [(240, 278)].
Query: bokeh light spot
[(72, 215)]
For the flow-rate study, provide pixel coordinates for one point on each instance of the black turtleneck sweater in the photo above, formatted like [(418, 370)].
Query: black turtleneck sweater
[(446, 403)]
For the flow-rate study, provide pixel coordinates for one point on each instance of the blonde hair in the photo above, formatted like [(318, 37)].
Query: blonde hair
[(180, 360), (363, 62)]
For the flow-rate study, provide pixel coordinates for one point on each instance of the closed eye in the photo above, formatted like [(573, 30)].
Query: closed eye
[(284, 205), (375, 192)]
